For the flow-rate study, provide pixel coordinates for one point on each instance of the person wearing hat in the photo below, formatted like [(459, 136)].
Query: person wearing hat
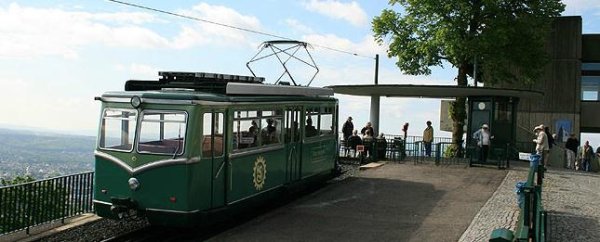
[(483, 138), (541, 147)]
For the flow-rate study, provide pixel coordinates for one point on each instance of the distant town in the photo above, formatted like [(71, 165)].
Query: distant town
[(43, 155)]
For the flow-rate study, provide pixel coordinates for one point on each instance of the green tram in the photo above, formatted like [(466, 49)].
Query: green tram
[(180, 149)]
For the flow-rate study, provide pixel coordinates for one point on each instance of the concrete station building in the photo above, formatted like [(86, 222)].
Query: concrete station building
[(570, 83)]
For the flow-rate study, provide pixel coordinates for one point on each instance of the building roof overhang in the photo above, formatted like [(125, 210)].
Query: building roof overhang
[(431, 91)]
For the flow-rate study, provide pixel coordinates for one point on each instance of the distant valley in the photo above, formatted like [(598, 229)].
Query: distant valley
[(44, 154)]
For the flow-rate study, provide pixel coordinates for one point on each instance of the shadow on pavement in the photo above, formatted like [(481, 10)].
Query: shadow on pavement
[(571, 227), (356, 209)]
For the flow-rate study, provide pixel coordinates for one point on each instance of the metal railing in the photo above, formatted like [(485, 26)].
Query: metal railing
[(532, 218), (397, 148), (532, 222), (28, 204), (413, 149)]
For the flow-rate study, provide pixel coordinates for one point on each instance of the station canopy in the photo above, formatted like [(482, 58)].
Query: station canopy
[(432, 91)]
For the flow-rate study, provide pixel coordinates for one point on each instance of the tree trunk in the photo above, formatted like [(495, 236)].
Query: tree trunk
[(458, 112)]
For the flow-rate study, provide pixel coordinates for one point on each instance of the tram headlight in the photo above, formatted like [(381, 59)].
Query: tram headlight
[(133, 183), (136, 101)]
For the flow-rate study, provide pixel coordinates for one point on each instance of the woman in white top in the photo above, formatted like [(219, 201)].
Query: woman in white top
[(483, 138)]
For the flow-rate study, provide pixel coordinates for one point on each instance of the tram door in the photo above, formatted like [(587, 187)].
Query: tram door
[(293, 145), (213, 147)]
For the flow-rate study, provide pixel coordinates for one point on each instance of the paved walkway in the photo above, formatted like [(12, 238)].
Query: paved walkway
[(500, 211), (571, 198), (396, 202)]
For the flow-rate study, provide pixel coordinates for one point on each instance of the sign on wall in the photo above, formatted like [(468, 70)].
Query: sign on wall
[(564, 128)]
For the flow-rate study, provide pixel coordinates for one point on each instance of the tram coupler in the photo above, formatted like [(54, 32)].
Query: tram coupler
[(123, 208)]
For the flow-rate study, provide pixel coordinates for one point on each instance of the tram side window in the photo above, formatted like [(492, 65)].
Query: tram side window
[(245, 129), (312, 119), (271, 131), (326, 122), (219, 134), (162, 132), (117, 129), (212, 128), (256, 128)]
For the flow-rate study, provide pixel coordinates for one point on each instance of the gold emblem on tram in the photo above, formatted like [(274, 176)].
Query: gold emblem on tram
[(260, 172)]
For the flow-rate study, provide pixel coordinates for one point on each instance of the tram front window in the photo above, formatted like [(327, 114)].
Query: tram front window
[(162, 132), (117, 129)]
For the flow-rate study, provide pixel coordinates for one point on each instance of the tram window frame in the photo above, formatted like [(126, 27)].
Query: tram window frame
[(131, 131), (181, 139), (242, 121), (326, 112), (312, 113), (214, 130)]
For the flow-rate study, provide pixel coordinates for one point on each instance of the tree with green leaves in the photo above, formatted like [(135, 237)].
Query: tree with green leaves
[(16, 180), (503, 39)]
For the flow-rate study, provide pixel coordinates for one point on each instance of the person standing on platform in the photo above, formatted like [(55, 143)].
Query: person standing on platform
[(541, 141), (483, 138), (428, 138), (586, 155), (571, 145), (347, 129)]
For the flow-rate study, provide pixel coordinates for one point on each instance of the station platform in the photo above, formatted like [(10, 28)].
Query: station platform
[(394, 202)]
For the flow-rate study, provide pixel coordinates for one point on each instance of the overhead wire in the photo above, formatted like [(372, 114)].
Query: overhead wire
[(232, 27)]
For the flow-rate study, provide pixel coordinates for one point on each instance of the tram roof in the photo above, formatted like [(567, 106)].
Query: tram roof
[(202, 86), (432, 91), (191, 95)]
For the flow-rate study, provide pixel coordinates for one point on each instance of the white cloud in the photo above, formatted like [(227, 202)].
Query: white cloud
[(143, 71), (33, 32), (124, 17), (203, 33), (138, 71), (351, 11), (298, 27), (28, 32)]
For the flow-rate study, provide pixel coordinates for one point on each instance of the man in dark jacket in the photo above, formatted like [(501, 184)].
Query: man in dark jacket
[(347, 128), (347, 132), (571, 145)]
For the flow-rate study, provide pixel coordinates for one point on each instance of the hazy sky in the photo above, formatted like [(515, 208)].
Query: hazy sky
[(56, 56)]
